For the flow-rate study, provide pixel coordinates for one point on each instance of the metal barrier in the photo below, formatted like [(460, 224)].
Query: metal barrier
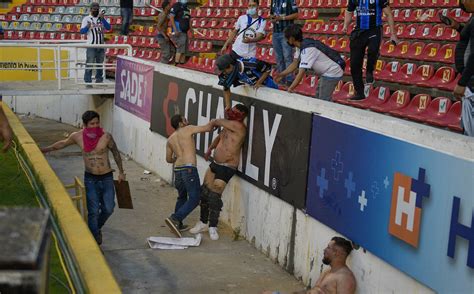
[(74, 65)]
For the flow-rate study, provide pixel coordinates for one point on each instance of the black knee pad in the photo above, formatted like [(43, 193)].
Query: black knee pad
[(215, 201)]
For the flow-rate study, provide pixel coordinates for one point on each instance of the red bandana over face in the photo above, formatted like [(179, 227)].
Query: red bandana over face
[(91, 137), (233, 114)]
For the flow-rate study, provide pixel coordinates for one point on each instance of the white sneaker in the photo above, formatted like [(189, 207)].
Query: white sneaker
[(199, 227), (213, 233)]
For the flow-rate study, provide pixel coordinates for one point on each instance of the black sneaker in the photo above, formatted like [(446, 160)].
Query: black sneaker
[(369, 78), (173, 225), (99, 238), (356, 98), (182, 227)]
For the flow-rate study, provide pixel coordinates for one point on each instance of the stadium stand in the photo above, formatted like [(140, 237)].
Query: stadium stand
[(420, 65)]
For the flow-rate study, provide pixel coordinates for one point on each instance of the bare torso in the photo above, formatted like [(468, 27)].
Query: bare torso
[(184, 147), (228, 149), (329, 281), (97, 161), (162, 23)]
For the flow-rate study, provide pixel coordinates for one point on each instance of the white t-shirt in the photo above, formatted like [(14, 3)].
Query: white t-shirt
[(250, 49), (319, 62), (95, 35)]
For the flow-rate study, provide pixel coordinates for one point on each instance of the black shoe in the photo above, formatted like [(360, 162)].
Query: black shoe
[(182, 227), (99, 237), (369, 78), (173, 225), (356, 98)]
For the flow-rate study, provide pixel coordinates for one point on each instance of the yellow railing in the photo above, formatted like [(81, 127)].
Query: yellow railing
[(79, 197), (90, 262)]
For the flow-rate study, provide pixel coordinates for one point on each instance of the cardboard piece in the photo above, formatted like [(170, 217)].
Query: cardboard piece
[(124, 199)]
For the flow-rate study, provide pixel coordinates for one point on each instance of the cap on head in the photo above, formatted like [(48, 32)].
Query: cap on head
[(224, 61), (95, 4)]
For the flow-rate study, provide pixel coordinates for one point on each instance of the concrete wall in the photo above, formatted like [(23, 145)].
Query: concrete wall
[(291, 238)]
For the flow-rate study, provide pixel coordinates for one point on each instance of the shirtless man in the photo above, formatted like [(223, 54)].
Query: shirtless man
[(181, 150), (226, 160), (167, 48), (339, 279), (98, 177)]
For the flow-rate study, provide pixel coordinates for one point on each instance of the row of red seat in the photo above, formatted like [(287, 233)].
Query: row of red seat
[(439, 112), (403, 31), (135, 41), (53, 2), (201, 64), (424, 3), (432, 52), (34, 35), (154, 55)]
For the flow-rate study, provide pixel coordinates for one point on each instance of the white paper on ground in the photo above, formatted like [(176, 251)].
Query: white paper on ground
[(173, 243)]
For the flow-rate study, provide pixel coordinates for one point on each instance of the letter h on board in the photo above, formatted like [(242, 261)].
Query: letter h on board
[(457, 229)]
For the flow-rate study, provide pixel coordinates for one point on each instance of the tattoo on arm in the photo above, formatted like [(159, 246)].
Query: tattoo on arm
[(116, 154)]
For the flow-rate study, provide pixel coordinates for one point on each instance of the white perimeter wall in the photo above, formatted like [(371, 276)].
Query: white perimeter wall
[(264, 220)]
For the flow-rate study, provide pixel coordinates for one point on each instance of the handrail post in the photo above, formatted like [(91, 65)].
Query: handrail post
[(59, 65), (38, 62)]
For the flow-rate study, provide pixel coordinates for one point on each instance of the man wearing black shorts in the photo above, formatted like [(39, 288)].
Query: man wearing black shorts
[(224, 165)]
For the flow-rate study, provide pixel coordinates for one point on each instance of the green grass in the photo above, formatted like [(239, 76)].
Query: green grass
[(16, 191)]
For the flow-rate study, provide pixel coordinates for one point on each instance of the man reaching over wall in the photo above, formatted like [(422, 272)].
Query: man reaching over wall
[(98, 178), (181, 150), (224, 165)]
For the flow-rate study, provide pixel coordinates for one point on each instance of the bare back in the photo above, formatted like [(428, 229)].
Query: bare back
[(162, 23), (341, 281), (183, 146), (228, 149), (97, 161)]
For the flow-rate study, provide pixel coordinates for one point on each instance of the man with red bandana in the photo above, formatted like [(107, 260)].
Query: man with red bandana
[(98, 178), (224, 165)]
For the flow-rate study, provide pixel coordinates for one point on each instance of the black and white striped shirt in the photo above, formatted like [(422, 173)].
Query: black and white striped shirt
[(95, 34)]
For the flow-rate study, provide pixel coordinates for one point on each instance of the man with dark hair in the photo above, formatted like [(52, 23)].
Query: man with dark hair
[(94, 26), (367, 35), (282, 14), (249, 29), (126, 11), (181, 150), (464, 62), (236, 72), (313, 54), (98, 177), (226, 159), (166, 46), (180, 18)]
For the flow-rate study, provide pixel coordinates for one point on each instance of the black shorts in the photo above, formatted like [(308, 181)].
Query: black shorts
[(222, 172)]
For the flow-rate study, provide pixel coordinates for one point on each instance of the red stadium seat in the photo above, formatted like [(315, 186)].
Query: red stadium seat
[(342, 45), (417, 105), (398, 100), (459, 15), (307, 86), (450, 86), (307, 13), (346, 92), (443, 76), (332, 42), (422, 74), (415, 51), (377, 96), (401, 49), (405, 74), (446, 53), (451, 120), (436, 109), (389, 71), (336, 28), (430, 52), (388, 49)]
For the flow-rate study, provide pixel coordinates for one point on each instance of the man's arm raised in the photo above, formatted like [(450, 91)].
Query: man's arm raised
[(117, 157), (199, 129), (228, 124), (61, 144)]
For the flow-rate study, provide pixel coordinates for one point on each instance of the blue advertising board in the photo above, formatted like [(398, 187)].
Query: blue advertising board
[(409, 205)]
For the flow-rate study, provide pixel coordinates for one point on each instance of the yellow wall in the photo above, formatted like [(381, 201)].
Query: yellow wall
[(19, 58)]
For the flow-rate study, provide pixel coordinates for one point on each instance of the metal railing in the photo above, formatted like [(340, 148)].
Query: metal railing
[(71, 67)]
